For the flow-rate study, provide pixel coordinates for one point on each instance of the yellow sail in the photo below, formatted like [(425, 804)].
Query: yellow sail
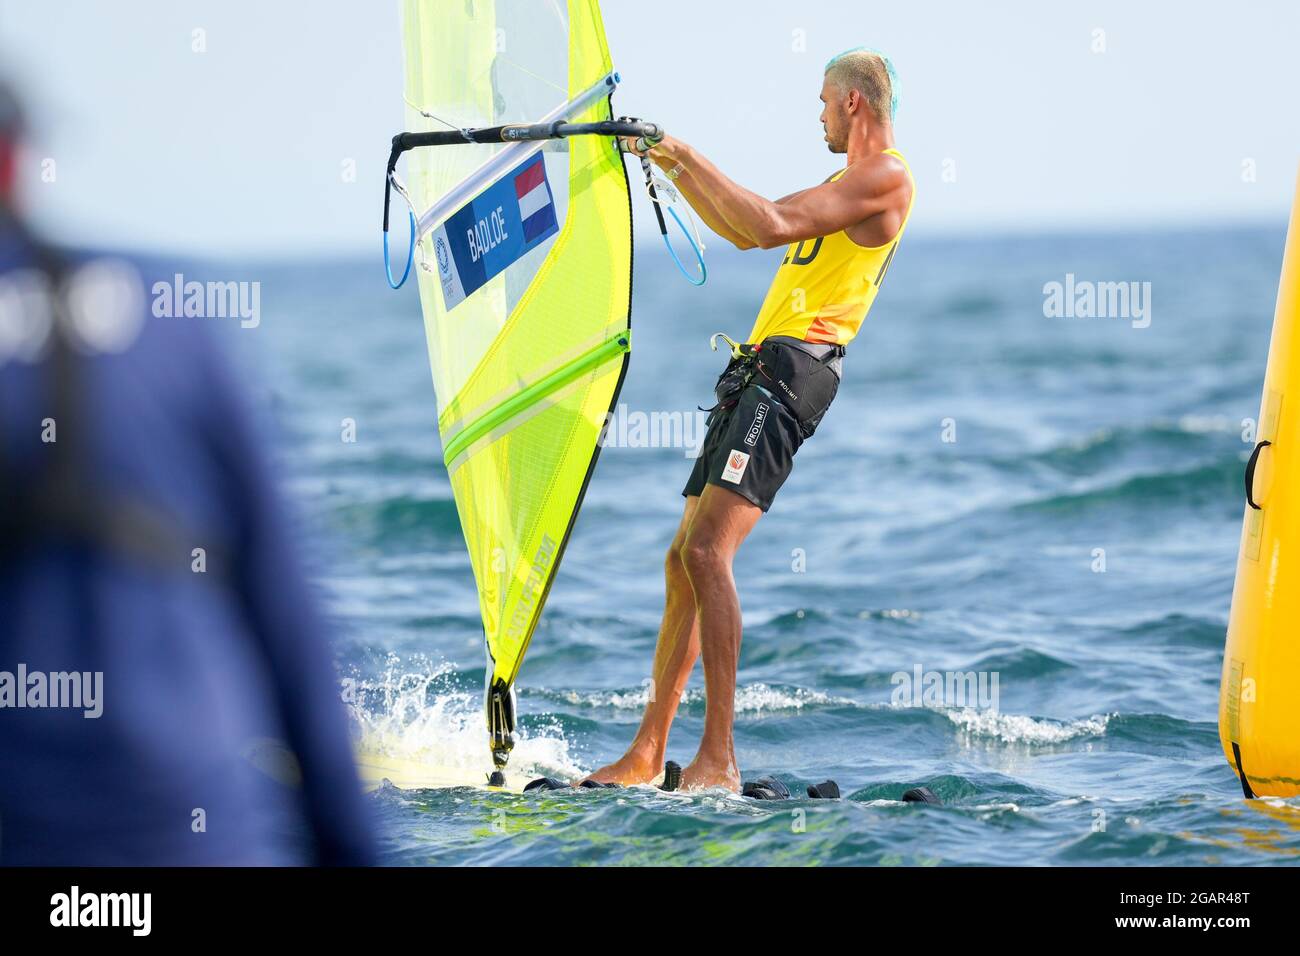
[(527, 361)]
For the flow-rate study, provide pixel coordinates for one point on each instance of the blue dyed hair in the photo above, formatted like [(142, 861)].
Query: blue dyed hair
[(894, 89)]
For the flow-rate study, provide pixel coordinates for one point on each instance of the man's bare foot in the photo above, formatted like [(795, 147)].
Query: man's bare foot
[(702, 774), (629, 770)]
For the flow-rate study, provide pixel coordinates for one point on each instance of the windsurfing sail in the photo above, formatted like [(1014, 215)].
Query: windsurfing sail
[(523, 222)]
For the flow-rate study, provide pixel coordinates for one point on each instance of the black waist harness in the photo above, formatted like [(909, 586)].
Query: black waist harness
[(803, 376)]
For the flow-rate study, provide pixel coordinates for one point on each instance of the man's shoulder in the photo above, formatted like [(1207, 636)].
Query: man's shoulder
[(879, 169)]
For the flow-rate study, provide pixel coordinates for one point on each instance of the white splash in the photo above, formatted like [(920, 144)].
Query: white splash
[(419, 715), (1017, 728)]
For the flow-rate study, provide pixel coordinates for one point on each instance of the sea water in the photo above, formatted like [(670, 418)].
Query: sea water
[(1044, 500)]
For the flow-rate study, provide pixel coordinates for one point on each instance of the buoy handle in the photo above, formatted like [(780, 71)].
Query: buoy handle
[(1250, 474)]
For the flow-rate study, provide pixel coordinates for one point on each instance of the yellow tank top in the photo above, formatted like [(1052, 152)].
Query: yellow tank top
[(825, 286)]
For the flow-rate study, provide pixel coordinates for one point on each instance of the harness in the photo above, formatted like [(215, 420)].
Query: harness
[(747, 364)]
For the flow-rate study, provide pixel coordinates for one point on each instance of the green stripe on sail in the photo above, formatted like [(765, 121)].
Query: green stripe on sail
[(530, 396)]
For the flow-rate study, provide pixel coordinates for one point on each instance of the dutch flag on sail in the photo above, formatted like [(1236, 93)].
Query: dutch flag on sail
[(535, 206), (494, 230)]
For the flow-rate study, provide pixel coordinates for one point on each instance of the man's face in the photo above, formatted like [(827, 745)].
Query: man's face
[(835, 118)]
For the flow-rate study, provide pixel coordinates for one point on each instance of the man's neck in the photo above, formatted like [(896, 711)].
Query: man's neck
[(876, 139)]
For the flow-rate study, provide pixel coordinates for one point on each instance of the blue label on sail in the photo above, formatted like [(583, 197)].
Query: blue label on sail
[(494, 230)]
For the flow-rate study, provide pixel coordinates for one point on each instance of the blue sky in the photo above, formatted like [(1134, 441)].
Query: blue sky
[(242, 149)]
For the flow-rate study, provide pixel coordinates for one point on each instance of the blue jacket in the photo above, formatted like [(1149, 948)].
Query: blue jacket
[(210, 679)]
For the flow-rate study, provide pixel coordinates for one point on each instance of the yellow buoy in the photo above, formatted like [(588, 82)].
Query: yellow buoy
[(1259, 700)]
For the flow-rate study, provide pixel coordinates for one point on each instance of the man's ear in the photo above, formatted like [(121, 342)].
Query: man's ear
[(855, 100)]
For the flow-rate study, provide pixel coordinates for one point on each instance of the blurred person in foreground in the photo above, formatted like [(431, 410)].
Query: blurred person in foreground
[(166, 688)]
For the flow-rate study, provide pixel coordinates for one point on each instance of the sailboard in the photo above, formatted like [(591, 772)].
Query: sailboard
[(520, 211), (420, 773)]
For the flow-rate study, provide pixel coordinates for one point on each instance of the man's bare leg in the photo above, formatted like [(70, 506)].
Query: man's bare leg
[(675, 656), (721, 522)]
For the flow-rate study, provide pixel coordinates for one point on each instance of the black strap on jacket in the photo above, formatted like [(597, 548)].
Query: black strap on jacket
[(62, 500)]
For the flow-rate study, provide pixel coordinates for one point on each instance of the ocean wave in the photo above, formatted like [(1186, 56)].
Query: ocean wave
[(758, 698), (890, 614), (1177, 489), (401, 518), (1022, 729)]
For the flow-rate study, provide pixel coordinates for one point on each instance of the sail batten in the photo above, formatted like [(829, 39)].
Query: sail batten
[(526, 398)]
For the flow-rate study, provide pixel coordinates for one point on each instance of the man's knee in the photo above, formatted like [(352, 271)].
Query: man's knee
[(701, 558), (674, 566), (673, 559)]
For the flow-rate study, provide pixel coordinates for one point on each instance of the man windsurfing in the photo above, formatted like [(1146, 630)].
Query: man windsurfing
[(840, 238)]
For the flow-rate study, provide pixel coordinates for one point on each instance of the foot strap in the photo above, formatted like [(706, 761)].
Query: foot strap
[(826, 790), (765, 788), (921, 795)]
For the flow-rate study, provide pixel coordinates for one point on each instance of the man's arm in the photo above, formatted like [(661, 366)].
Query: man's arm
[(866, 189), (712, 217), (785, 199)]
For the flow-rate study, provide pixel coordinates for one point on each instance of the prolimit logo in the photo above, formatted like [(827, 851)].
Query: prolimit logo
[(760, 416)]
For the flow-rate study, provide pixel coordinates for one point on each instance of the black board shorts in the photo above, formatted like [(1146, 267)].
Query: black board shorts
[(753, 436)]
